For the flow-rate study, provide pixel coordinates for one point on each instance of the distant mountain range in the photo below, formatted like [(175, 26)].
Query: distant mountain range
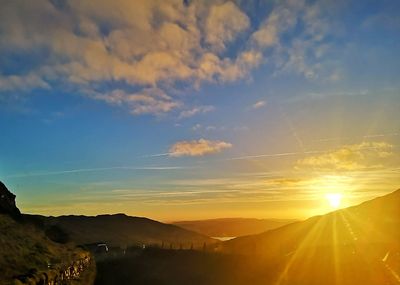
[(122, 230), (232, 227)]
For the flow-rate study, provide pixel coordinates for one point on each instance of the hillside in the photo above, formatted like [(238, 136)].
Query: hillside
[(232, 227), (29, 256), (123, 230), (358, 244)]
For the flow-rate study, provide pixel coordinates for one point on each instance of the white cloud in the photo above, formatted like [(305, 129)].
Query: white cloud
[(259, 104), (197, 147)]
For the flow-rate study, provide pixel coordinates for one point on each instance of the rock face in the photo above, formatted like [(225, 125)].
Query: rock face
[(7, 202)]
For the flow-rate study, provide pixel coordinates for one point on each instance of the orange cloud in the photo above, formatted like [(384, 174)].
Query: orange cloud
[(223, 23), (197, 147)]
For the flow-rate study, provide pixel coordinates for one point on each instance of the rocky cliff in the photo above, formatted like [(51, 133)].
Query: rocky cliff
[(7, 202)]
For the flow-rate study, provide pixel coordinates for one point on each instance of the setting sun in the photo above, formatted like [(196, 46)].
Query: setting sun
[(334, 199), (200, 142)]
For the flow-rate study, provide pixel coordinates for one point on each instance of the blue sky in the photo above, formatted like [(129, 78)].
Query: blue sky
[(198, 110)]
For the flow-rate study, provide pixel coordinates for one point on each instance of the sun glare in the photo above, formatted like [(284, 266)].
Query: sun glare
[(334, 199)]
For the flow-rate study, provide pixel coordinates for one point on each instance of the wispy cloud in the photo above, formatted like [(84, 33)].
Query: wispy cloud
[(209, 128), (195, 111), (22, 82), (349, 157), (147, 101)]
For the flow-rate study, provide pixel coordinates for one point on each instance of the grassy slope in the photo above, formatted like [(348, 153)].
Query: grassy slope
[(23, 247)]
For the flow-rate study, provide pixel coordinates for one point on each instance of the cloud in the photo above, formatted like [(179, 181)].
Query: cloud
[(147, 101), (223, 24), (259, 104), (306, 53), (145, 43), (197, 127), (197, 147), (279, 20), (25, 82), (150, 45), (350, 157), (195, 111), (200, 127)]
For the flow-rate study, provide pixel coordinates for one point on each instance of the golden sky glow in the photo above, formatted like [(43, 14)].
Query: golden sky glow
[(198, 109)]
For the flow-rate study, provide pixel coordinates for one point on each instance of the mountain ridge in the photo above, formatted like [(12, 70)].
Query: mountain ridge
[(395, 194), (122, 230)]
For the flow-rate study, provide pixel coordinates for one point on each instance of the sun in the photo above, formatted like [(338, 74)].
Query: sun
[(334, 199)]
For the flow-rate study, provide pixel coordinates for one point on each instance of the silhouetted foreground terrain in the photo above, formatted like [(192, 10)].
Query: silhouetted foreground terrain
[(29, 256), (232, 227), (358, 245), (165, 267)]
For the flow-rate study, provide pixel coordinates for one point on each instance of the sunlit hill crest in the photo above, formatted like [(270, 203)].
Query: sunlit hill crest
[(355, 245)]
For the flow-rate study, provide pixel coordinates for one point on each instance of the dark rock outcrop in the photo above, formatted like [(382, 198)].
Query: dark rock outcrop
[(7, 202)]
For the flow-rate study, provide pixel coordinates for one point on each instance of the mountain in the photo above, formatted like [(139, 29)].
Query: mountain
[(122, 230), (356, 245), (29, 256), (232, 227)]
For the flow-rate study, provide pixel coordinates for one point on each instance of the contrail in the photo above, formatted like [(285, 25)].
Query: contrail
[(276, 154), (157, 155), (292, 129), (81, 170), (297, 153), (363, 137)]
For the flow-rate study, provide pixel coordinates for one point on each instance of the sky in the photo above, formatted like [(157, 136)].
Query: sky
[(179, 110)]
